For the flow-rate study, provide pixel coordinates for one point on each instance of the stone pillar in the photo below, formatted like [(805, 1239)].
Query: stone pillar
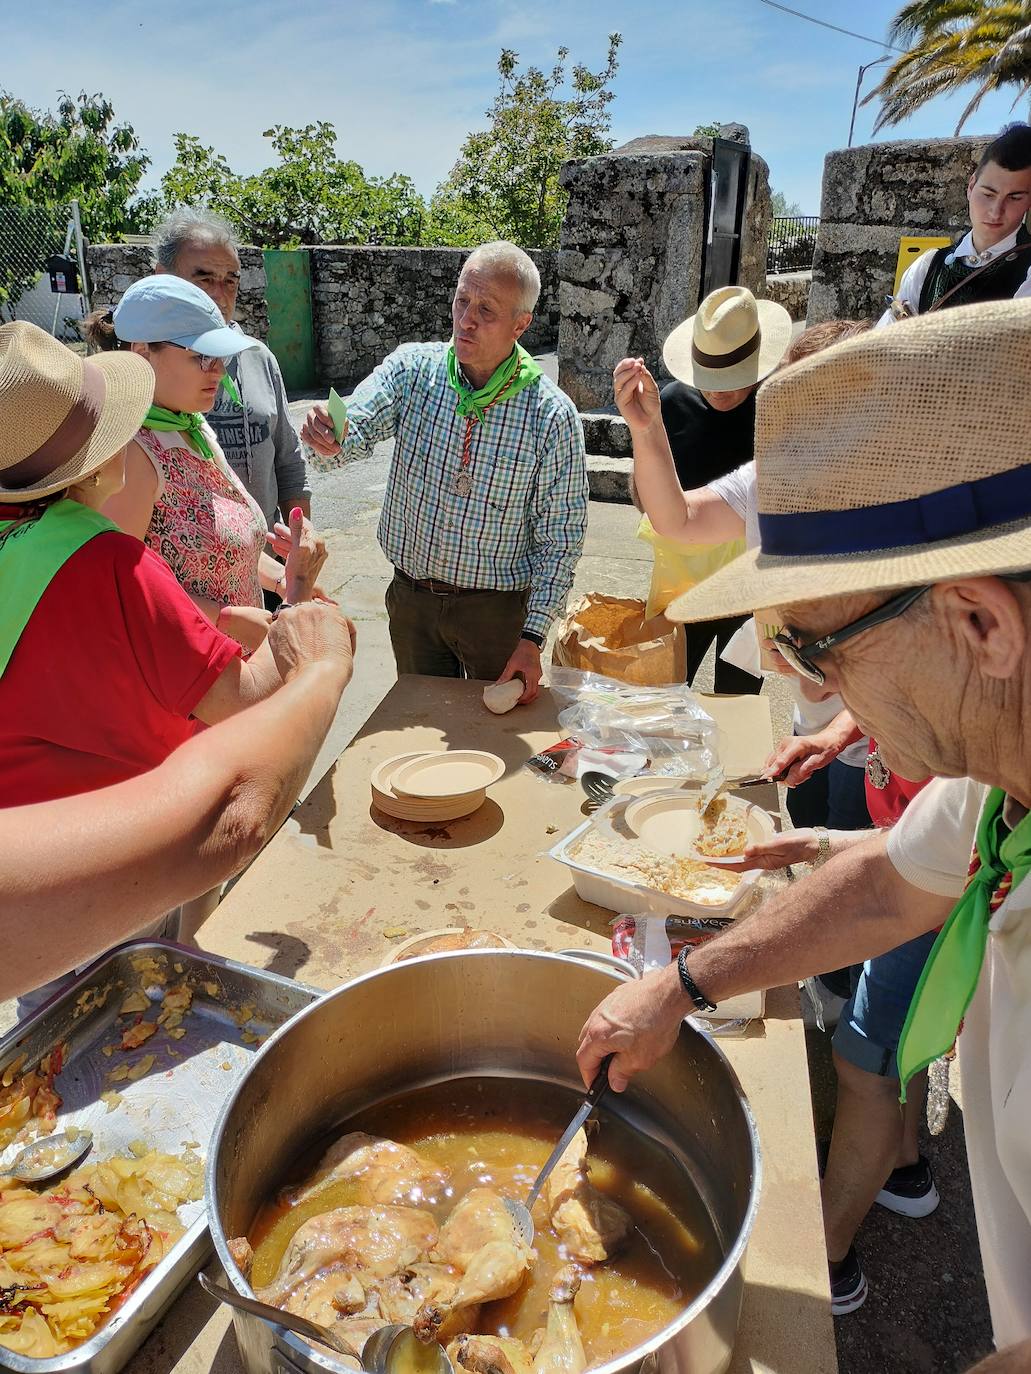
[(872, 197), (632, 255)]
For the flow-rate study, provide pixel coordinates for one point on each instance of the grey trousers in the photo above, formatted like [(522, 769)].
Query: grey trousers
[(469, 635)]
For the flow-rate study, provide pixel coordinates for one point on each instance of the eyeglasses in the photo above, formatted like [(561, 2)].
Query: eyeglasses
[(800, 656), (202, 360)]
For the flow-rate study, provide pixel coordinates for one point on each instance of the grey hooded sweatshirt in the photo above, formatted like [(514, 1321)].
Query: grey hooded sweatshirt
[(259, 441)]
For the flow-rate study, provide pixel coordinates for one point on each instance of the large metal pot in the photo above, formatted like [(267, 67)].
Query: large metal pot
[(492, 1012)]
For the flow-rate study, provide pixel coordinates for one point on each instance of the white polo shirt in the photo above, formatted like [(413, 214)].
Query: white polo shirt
[(915, 275), (931, 847)]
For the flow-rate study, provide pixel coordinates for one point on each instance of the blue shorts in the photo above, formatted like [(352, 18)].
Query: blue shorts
[(867, 1034)]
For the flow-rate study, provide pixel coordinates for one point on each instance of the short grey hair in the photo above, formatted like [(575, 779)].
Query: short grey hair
[(187, 226), (508, 260)]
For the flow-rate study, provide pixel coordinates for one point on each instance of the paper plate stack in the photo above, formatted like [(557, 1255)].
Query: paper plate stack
[(440, 786)]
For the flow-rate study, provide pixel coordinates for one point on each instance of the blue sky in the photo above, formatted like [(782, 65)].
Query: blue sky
[(404, 80)]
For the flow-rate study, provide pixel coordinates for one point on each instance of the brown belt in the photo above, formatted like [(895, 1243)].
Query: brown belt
[(430, 584)]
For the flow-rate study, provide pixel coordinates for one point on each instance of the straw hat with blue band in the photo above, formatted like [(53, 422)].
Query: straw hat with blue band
[(895, 459), (732, 342)]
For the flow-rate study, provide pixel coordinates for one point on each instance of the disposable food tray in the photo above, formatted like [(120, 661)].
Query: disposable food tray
[(622, 895), (174, 1104)]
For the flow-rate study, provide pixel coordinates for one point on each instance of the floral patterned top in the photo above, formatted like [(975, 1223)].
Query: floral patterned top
[(205, 526)]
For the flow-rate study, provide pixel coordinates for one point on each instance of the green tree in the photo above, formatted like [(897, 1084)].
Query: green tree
[(951, 44), (782, 208), (706, 131), (48, 159), (505, 182), (79, 153), (309, 196)]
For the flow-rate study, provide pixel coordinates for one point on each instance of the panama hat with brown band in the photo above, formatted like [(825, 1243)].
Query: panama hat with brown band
[(895, 459), (62, 417), (732, 342)]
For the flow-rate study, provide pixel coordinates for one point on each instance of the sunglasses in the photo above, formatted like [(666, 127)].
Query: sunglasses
[(800, 656), (202, 360)]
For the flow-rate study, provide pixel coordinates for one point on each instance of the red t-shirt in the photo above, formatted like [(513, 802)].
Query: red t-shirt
[(886, 804), (103, 679)]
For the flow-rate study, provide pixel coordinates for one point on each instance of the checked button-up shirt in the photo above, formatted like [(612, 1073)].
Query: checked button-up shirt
[(523, 523)]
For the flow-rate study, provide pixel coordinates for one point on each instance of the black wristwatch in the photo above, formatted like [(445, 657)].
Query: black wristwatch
[(534, 639), (690, 986)]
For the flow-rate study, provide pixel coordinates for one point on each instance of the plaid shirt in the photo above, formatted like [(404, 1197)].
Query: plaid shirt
[(524, 523)]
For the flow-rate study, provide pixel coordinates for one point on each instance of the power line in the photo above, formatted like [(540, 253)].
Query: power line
[(824, 25)]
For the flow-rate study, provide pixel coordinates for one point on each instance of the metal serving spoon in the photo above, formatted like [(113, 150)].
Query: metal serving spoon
[(49, 1156), (520, 1211), (598, 787), (393, 1349)]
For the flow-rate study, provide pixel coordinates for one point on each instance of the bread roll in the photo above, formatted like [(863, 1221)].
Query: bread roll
[(501, 697)]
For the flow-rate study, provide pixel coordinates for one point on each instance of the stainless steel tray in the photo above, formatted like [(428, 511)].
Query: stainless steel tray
[(175, 1103)]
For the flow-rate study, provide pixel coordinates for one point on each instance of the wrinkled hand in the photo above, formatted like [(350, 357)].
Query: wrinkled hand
[(248, 625), (639, 1023), (789, 847), (525, 663), (637, 396), (318, 431), (796, 759), (312, 632), (305, 553)]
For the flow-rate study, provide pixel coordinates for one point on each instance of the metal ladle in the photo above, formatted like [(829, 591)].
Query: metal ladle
[(520, 1211), (32, 1164), (393, 1349)]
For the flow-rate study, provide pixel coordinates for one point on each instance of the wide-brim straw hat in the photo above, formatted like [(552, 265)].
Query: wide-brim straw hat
[(62, 417), (732, 342), (895, 459)]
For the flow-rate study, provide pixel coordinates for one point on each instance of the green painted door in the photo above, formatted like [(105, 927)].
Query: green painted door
[(290, 333)]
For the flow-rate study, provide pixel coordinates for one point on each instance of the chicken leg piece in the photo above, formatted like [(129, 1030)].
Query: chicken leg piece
[(480, 1240), (490, 1355), (562, 1350), (589, 1225), (382, 1171)]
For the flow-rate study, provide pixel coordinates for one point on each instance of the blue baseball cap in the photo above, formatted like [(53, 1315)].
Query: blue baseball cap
[(164, 308)]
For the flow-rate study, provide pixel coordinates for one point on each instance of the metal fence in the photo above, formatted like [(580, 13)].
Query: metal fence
[(30, 235), (792, 243)]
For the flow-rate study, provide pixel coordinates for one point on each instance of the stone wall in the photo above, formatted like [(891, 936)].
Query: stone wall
[(366, 301), (874, 195), (113, 267), (632, 255), (791, 290)]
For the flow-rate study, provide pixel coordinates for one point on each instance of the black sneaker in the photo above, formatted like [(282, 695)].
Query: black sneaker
[(848, 1284), (910, 1190)]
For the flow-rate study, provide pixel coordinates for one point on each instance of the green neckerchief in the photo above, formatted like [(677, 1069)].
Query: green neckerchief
[(954, 964), (30, 558), (517, 372), (185, 422)]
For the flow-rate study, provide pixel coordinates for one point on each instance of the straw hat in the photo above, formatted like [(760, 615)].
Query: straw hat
[(63, 417), (733, 341), (895, 459)]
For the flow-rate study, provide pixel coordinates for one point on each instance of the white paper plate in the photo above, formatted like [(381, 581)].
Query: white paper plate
[(669, 823), (451, 774)]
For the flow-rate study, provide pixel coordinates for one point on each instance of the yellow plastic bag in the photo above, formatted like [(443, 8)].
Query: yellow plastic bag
[(679, 567)]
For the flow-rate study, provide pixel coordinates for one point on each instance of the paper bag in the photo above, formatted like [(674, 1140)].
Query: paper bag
[(612, 635)]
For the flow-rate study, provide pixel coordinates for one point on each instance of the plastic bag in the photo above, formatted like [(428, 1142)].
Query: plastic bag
[(568, 759), (678, 567), (652, 942), (603, 706)]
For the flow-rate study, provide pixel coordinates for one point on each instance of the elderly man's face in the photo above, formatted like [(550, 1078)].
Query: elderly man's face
[(934, 685), (487, 321), (215, 269)]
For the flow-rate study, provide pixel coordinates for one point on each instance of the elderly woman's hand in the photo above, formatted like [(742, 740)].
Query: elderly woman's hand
[(318, 431), (305, 553), (637, 396)]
